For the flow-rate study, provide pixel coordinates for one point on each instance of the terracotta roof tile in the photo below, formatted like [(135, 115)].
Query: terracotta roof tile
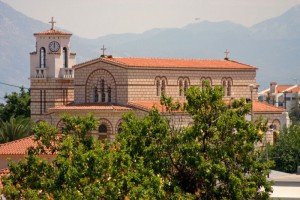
[(17, 147), (282, 88), (174, 63), (260, 107), (147, 105), (52, 32), (294, 90), (90, 107), (3, 172)]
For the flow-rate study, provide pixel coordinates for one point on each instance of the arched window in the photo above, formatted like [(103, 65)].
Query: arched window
[(60, 126), (109, 93), (224, 88), (102, 128), (163, 87), (96, 95), (120, 128), (65, 57), (205, 81), (42, 57), (276, 125), (102, 89), (186, 86), (180, 87), (157, 87), (275, 137), (229, 88), (203, 84), (209, 81)]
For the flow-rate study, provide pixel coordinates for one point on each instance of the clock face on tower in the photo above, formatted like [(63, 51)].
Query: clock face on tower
[(54, 46)]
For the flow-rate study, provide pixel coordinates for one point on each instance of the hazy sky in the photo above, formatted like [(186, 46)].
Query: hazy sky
[(93, 18)]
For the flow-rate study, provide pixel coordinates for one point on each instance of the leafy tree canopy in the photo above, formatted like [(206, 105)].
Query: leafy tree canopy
[(214, 158), (17, 105), (286, 151)]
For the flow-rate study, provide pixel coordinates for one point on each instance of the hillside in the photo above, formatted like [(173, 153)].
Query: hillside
[(272, 45)]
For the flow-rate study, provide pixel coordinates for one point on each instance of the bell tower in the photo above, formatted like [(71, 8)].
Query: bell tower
[(51, 73)]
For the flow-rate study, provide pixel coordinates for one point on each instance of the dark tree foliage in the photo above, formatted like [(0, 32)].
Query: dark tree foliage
[(15, 128), (294, 113), (16, 105), (214, 158), (286, 151)]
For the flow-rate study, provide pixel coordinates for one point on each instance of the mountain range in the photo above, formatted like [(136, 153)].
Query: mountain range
[(272, 45)]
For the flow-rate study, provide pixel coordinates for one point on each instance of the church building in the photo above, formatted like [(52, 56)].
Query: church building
[(109, 86)]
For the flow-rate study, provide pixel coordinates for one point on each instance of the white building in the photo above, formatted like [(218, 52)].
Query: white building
[(285, 96)]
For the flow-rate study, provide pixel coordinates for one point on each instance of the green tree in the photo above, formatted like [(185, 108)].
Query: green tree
[(17, 104), (286, 151), (214, 158), (294, 113), (15, 128), (84, 168)]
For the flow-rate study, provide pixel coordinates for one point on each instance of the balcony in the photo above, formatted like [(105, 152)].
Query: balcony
[(41, 72), (66, 73)]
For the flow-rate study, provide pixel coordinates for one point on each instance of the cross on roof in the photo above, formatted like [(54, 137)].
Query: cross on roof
[(52, 22), (103, 50), (226, 54)]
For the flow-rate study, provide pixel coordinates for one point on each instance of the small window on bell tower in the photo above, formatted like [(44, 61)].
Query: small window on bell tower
[(42, 57), (65, 57)]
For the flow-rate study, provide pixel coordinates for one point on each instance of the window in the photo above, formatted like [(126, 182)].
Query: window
[(119, 130), (157, 87), (102, 128), (96, 95), (205, 81), (102, 88), (65, 57), (42, 57), (163, 87), (109, 94), (229, 88), (180, 87), (186, 86), (224, 88)]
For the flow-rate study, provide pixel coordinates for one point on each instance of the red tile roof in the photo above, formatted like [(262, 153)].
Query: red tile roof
[(294, 90), (91, 107), (17, 147), (3, 172), (260, 107), (174, 63), (282, 88), (147, 105), (52, 32)]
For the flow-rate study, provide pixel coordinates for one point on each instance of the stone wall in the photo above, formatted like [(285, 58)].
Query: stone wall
[(142, 84), (84, 74), (48, 93)]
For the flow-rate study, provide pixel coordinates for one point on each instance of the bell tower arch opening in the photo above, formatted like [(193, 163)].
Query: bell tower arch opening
[(51, 75)]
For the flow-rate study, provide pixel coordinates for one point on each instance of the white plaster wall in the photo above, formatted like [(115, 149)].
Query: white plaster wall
[(54, 61)]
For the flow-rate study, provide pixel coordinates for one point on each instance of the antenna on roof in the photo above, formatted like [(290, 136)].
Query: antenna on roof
[(226, 54)]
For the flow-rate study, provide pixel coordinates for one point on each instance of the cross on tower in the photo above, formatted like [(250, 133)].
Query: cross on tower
[(52, 22), (226, 54), (103, 51)]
